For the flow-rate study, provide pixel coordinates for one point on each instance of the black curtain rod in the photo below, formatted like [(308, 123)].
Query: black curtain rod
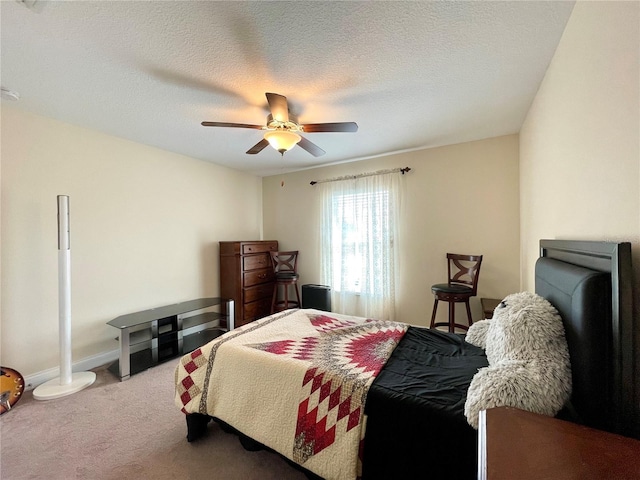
[(349, 177)]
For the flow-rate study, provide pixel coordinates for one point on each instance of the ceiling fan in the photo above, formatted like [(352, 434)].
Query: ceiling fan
[(282, 129)]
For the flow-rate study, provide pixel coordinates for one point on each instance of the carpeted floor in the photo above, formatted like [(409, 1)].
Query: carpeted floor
[(123, 430)]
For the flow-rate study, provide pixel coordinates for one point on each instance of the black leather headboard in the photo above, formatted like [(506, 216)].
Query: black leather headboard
[(590, 283), (583, 299)]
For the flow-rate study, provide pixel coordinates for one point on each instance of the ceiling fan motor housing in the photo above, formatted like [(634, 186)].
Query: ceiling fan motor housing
[(291, 125)]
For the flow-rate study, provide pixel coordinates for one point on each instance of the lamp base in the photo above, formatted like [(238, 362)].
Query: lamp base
[(53, 389)]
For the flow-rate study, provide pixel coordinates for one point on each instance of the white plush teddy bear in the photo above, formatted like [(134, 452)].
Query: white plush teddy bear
[(528, 358)]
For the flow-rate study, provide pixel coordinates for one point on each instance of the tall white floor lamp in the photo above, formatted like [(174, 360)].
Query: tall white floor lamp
[(68, 382)]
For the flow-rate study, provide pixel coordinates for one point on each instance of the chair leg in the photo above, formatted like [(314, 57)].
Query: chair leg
[(452, 317), (298, 295), (433, 315), (286, 297), (469, 312), (274, 297)]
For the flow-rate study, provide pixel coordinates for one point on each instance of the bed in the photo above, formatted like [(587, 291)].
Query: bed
[(347, 397)]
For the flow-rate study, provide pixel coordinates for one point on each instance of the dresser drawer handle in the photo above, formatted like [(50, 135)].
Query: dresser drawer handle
[(262, 275)]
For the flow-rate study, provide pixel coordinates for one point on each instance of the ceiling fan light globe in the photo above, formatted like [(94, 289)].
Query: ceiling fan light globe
[(282, 140)]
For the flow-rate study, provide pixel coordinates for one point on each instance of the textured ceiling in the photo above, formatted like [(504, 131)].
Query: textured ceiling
[(411, 74)]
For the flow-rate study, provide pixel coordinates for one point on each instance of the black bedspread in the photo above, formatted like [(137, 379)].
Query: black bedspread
[(416, 426)]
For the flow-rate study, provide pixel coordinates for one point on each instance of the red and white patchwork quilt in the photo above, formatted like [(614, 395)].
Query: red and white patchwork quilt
[(295, 381)]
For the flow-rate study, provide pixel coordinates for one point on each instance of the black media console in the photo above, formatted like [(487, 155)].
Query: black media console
[(153, 336)]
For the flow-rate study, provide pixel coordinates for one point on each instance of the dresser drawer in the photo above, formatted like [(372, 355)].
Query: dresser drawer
[(256, 277), (257, 309), (259, 291), (252, 262), (248, 248)]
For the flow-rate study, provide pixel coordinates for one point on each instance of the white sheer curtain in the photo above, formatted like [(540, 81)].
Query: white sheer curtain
[(358, 228)]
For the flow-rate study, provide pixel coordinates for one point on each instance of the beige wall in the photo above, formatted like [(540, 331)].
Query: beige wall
[(579, 146), (461, 198), (580, 142), (144, 230)]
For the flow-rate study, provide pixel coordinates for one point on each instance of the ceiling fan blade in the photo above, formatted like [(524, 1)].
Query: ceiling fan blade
[(233, 125), (258, 147), (278, 106), (311, 147), (330, 127)]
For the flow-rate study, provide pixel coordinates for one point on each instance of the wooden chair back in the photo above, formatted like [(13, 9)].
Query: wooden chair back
[(464, 269), (285, 262)]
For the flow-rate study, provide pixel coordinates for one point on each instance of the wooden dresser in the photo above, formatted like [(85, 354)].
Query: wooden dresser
[(246, 277), (514, 444)]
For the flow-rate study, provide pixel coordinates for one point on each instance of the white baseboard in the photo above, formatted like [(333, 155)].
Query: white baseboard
[(32, 381)]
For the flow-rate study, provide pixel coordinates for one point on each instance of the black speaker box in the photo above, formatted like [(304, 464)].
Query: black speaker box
[(316, 296)]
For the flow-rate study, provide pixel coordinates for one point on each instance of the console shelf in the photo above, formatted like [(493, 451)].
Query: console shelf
[(158, 334)]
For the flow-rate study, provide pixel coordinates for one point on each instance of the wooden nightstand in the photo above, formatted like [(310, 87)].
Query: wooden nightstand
[(513, 443)]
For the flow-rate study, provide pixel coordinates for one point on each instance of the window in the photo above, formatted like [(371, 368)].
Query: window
[(358, 230)]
